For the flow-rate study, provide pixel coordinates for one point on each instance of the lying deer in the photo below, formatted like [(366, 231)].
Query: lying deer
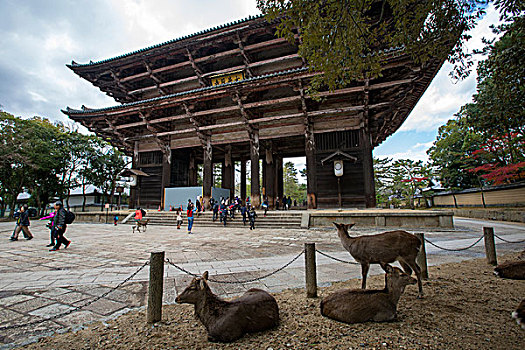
[(519, 314), (358, 305), (227, 321), (383, 248), (511, 269)]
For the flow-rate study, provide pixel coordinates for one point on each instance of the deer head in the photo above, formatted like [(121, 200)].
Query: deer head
[(196, 291), (343, 228), (397, 280)]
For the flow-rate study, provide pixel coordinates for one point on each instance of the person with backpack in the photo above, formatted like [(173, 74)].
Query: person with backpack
[(265, 205), (215, 210), (50, 227), (22, 225), (60, 221)]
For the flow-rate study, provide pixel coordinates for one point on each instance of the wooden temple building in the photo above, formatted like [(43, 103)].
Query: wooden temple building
[(237, 93)]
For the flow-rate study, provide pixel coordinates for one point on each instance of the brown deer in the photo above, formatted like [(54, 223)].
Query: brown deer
[(227, 321), (358, 305), (511, 269), (519, 314), (383, 248)]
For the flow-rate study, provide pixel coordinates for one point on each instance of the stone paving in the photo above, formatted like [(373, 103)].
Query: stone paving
[(36, 284)]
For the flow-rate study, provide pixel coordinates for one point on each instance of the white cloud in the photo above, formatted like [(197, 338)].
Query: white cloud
[(416, 152)]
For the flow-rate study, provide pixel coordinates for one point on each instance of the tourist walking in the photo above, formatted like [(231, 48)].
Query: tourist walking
[(251, 216), (189, 214), (277, 203), (50, 227), (244, 213), (59, 227), (115, 220), (265, 206), (215, 210), (22, 224)]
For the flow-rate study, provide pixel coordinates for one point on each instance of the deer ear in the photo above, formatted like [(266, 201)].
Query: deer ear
[(349, 226), (205, 275), (389, 269), (337, 225), (202, 284)]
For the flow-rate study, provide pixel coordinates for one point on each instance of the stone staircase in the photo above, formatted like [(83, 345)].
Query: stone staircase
[(274, 219)]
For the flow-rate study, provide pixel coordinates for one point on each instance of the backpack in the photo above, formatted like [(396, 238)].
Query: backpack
[(70, 217), (143, 212)]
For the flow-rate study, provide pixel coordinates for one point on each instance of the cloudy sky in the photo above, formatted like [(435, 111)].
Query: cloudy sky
[(37, 39)]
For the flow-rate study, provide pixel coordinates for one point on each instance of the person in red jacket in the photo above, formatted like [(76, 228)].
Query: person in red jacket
[(189, 213)]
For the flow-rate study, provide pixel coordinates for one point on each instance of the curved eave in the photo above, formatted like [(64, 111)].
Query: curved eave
[(71, 112), (193, 36)]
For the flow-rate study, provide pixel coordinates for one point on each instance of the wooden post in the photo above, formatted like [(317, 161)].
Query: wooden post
[(254, 160), (421, 259), (134, 165), (310, 270), (207, 175), (270, 177), (166, 175), (490, 246), (155, 290), (192, 170), (243, 180), (368, 170), (311, 174)]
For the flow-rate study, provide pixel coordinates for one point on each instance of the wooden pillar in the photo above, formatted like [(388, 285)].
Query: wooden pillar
[(270, 177), (311, 170), (279, 178), (156, 286), (228, 173), (243, 179), (368, 170), (166, 174), (133, 193), (207, 176), (192, 170), (254, 160)]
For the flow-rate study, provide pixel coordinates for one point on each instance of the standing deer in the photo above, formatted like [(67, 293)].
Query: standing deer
[(227, 321), (358, 305), (383, 248)]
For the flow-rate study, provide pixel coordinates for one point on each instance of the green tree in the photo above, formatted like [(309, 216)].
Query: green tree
[(451, 154), (345, 38), (291, 183), (383, 178), (106, 167)]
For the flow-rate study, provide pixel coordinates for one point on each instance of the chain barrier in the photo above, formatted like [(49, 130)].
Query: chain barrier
[(239, 282), (454, 250), (506, 241), (337, 259), (77, 308)]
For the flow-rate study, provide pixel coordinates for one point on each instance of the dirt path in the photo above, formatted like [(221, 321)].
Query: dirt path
[(465, 307)]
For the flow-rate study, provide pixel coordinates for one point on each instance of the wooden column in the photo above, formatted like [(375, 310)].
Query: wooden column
[(270, 177), (133, 190), (254, 160), (243, 179), (368, 170), (207, 176), (166, 174), (311, 171), (279, 178), (192, 170), (228, 174)]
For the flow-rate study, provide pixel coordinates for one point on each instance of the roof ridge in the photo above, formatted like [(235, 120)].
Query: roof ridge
[(184, 37)]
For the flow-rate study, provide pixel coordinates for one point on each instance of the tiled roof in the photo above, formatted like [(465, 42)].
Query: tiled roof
[(71, 111), (222, 26)]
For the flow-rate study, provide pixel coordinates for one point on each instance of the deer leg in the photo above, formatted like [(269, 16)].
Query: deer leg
[(406, 267), (417, 270), (364, 272)]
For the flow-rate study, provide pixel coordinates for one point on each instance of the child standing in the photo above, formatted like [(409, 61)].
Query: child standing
[(179, 219), (115, 220)]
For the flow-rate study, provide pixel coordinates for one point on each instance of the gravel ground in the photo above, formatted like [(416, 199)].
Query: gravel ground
[(465, 307)]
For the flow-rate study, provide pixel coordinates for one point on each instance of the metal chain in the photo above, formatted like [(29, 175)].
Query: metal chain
[(455, 250), (239, 282), (70, 311), (337, 259), (504, 240)]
